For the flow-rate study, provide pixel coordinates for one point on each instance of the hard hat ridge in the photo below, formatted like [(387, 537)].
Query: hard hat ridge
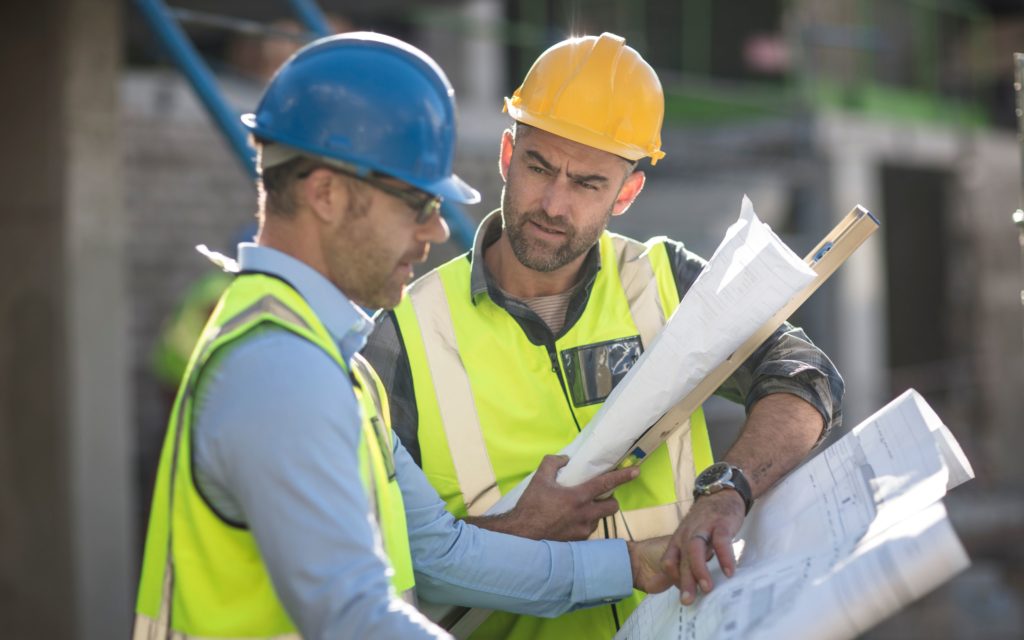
[(371, 101), (596, 91)]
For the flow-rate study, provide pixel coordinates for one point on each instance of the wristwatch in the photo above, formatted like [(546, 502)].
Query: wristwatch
[(723, 475)]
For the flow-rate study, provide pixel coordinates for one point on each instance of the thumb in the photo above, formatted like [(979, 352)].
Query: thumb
[(550, 465)]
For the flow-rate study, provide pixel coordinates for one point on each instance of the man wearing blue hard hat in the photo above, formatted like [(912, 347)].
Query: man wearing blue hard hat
[(283, 508)]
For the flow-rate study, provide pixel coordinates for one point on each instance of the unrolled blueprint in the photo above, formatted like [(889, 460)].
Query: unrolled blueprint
[(843, 542), (750, 277)]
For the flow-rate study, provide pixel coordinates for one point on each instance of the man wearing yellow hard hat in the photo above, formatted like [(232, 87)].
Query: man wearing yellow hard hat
[(502, 355)]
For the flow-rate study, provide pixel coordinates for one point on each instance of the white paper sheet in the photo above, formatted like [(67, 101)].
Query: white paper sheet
[(750, 277), (839, 545)]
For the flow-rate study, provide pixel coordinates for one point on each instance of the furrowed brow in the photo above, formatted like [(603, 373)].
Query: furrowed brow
[(593, 177), (540, 159)]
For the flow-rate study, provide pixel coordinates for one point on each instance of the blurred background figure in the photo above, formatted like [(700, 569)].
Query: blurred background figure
[(181, 329)]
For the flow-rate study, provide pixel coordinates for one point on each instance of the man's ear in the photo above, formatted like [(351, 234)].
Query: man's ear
[(630, 189), (320, 193), (505, 156)]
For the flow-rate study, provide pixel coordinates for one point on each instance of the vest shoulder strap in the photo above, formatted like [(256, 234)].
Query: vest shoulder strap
[(641, 282), (473, 466)]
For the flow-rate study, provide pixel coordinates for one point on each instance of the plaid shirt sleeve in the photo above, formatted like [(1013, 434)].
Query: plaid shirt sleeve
[(787, 362), (386, 352)]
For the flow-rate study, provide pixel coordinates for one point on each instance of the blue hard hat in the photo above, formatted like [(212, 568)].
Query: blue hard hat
[(371, 101)]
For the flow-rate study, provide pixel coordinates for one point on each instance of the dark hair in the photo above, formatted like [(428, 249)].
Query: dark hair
[(274, 184)]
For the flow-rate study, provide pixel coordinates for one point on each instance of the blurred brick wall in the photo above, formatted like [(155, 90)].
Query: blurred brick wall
[(183, 187)]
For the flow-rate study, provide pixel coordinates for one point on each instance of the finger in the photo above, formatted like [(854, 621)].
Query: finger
[(722, 542), (696, 554), (670, 561), (607, 482), (603, 508), (684, 579), (584, 531)]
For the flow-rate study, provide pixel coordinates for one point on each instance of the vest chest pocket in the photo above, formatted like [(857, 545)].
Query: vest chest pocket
[(593, 370)]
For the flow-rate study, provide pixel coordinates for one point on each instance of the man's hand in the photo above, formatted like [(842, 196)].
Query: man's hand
[(781, 429), (709, 527), (645, 560), (549, 511)]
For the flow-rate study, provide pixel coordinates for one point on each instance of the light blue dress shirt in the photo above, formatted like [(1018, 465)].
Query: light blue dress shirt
[(275, 438)]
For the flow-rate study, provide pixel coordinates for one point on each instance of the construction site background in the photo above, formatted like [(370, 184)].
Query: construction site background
[(114, 172)]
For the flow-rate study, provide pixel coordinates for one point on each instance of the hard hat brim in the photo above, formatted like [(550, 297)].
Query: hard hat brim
[(582, 135), (452, 188)]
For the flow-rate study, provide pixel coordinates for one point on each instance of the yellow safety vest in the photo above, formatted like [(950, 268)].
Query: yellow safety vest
[(203, 577), (491, 403)]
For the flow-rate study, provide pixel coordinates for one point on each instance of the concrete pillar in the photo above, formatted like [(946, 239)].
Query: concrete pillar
[(860, 282), (466, 39), (484, 55), (65, 547), (97, 324)]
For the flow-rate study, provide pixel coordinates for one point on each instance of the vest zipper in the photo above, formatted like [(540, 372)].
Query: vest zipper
[(561, 381), (557, 370)]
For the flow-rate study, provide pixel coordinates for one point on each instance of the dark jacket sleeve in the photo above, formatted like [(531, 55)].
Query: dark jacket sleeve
[(787, 362), (385, 350)]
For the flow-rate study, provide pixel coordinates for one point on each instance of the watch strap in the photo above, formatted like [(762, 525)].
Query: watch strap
[(739, 482)]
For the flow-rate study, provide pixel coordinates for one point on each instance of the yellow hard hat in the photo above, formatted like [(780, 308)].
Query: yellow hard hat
[(595, 91)]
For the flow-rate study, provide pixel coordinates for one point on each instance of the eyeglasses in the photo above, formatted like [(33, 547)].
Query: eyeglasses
[(423, 204)]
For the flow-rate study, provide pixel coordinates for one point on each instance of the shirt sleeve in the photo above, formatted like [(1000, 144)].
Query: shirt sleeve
[(385, 351), (458, 563), (276, 432), (787, 362)]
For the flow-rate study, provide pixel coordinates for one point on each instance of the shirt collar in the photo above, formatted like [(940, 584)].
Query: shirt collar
[(347, 323), (481, 280)]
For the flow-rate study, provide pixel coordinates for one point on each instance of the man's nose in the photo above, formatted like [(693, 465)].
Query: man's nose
[(556, 199)]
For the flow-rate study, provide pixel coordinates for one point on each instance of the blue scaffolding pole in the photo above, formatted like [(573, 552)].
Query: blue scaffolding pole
[(165, 23)]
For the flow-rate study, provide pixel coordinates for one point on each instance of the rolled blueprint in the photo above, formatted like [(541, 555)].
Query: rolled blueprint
[(846, 540), (749, 278)]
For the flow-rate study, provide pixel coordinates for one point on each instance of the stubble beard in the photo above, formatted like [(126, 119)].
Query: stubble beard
[(537, 255), (362, 257)]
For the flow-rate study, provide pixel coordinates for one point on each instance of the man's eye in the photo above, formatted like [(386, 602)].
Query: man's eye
[(587, 185), (538, 170)]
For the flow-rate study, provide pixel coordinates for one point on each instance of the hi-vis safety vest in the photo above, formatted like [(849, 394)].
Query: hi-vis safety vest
[(491, 403), (203, 577)]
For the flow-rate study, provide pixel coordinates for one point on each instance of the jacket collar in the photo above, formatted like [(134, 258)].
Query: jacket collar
[(483, 283), (347, 323)]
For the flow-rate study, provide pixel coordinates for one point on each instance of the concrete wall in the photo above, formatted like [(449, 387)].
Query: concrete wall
[(983, 278), (35, 509), (983, 375), (183, 187), (65, 539)]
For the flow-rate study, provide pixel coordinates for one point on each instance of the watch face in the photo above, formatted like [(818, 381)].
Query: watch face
[(723, 475), (710, 479)]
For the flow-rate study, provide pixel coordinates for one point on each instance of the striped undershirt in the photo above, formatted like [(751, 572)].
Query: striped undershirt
[(550, 309)]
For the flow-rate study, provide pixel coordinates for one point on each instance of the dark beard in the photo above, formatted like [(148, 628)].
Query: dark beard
[(538, 256)]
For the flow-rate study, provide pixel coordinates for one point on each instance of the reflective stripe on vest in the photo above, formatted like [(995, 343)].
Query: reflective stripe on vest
[(443, 360), (203, 577)]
